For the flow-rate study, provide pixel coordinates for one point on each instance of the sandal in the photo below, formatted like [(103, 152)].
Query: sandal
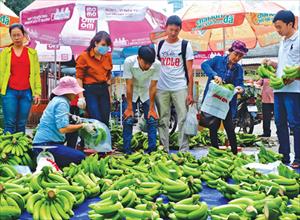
[(295, 165)]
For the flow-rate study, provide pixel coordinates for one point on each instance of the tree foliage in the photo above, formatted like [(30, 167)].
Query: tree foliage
[(17, 5)]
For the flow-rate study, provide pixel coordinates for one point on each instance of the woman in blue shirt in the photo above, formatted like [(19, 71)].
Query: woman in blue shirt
[(225, 69), (54, 123)]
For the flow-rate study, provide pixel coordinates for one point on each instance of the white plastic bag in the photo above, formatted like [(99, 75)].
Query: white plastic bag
[(216, 101), (93, 140), (191, 122)]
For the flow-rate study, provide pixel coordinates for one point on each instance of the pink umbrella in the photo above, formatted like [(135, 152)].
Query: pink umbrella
[(74, 23)]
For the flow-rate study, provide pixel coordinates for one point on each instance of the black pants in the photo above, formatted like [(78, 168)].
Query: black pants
[(98, 101), (229, 128), (267, 110)]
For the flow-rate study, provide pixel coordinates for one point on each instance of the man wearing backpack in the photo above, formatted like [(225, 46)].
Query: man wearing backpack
[(175, 83)]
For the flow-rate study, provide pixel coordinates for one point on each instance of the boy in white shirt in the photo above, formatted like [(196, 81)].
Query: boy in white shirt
[(141, 73)]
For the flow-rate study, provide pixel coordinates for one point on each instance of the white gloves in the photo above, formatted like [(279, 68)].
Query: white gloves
[(90, 128), (81, 103), (76, 119)]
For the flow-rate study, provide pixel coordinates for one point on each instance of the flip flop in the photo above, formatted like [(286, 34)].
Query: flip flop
[(295, 165)]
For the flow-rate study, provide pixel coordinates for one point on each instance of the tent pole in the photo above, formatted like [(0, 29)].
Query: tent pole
[(224, 40)]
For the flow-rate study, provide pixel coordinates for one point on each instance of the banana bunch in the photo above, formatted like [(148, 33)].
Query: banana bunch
[(272, 208), (276, 83), (190, 208), (126, 196), (51, 204), (7, 172), (290, 186), (148, 190), (291, 72), (76, 190), (285, 171), (294, 206), (16, 144), (242, 159), (270, 188), (128, 180), (288, 216), (11, 203), (173, 141), (163, 208), (92, 164), (90, 183), (23, 190), (71, 170), (130, 213), (215, 153), (247, 139), (268, 156), (105, 184), (106, 209), (228, 211), (228, 190), (241, 174), (190, 171), (47, 179), (176, 190), (266, 71), (194, 184)]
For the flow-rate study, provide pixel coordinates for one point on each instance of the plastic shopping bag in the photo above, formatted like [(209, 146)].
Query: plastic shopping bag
[(99, 139), (216, 101), (191, 121)]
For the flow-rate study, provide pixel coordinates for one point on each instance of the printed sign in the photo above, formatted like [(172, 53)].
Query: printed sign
[(87, 24), (262, 18), (4, 19), (214, 20), (91, 11)]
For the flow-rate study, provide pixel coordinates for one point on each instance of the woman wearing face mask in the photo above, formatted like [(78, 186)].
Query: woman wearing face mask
[(225, 69), (20, 81), (93, 73)]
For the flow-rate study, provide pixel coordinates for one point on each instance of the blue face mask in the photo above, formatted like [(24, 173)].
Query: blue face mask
[(103, 49)]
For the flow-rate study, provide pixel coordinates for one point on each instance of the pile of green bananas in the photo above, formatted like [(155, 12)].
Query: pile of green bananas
[(268, 156), (51, 204), (15, 149), (7, 172), (247, 139), (23, 190), (294, 206), (266, 71), (290, 187), (148, 190), (190, 208), (90, 183), (11, 203), (47, 178), (76, 190), (291, 72), (107, 208), (276, 82)]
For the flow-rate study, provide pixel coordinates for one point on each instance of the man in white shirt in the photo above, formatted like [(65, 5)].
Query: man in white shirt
[(141, 73), (175, 82), (287, 99)]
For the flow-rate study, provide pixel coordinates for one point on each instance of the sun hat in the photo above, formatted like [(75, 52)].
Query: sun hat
[(238, 46), (67, 85)]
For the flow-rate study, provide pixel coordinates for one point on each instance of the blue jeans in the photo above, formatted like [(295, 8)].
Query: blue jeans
[(151, 129), (63, 155), (16, 108), (98, 102), (287, 111)]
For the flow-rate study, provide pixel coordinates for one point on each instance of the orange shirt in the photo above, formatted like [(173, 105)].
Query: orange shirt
[(92, 70)]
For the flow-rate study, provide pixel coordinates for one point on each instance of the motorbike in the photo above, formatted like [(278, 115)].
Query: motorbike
[(247, 111)]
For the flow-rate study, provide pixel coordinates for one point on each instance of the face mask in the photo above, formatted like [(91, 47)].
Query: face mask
[(103, 49)]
